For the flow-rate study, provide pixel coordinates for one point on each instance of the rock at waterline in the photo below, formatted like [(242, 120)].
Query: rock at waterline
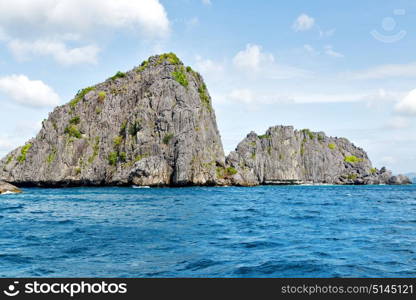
[(6, 188)]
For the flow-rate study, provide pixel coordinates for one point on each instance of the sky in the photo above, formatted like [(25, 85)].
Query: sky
[(347, 69)]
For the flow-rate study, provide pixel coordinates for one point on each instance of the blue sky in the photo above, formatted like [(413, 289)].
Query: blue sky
[(347, 69)]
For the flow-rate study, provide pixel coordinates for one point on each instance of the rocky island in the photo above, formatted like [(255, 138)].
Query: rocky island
[(6, 188), (155, 126)]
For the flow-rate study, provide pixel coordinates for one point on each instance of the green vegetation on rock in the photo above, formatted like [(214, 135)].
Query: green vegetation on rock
[(225, 172), (331, 146), (167, 138), (265, 136), (119, 74), (180, 76), (308, 133), (123, 129), (96, 150), (143, 66), (75, 120), (51, 156), (140, 157), (102, 96), (122, 156), (352, 176), (373, 170), (79, 96), (72, 131), (113, 158), (135, 128), (203, 95), (302, 149), (25, 149), (117, 141), (9, 159), (170, 57), (352, 159)]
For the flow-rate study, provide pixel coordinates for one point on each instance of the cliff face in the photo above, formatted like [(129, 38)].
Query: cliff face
[(153, 125), (287, 156)]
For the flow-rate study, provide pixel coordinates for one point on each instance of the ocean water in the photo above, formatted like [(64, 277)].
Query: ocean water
[(269, 231)]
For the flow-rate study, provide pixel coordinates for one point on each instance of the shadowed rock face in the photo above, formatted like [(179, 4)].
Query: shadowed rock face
[(152, 126), (287, 156)]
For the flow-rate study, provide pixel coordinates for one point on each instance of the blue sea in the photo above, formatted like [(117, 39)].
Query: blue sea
[(268, 231)]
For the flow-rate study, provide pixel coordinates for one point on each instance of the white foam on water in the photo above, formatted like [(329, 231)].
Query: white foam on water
[(141, 187), (8, 193)]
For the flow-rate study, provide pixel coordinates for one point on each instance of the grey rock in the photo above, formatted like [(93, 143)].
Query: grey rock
[(399, 180), (287, 156), (8, 188), (153, 125), (411, 176)]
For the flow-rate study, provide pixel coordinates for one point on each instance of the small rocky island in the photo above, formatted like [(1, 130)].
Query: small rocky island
[(6, 188), (155, 126)]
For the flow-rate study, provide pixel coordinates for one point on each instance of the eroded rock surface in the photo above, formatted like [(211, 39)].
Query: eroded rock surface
[(287, 156), (153, 125)]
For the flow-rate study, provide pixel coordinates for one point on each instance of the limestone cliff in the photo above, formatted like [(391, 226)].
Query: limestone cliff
[(287, 156), (153, 125)]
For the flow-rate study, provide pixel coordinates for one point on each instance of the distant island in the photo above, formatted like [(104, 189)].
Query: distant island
[(155, 126), (411, 176)]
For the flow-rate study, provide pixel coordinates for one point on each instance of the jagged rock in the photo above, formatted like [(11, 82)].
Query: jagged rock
[(287, 156), (153, 125), (8, 188), (399, 180)]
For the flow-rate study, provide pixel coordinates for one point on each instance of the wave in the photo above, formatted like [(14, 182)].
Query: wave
[(141, 187), (8, 193)]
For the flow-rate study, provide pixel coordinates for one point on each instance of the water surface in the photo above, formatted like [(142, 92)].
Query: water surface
[(270, 231)]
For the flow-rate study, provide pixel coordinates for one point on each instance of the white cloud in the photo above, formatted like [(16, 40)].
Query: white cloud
[(369, 97), (25, 17), (55, 22), (192, 22), (207, 2), (303, 23), (329, 50), (3, 35), (251, 58), (258, 96), (398, 123), (207, 66), (5, 144), (388, 160), (58, 50), (386, 71), (310, 49), (408, 104), (33, 93), (326, 33), (242, 95)]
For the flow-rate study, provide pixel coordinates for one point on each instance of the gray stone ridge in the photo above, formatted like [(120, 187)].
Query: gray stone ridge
[(284, 155), (155, 126)]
